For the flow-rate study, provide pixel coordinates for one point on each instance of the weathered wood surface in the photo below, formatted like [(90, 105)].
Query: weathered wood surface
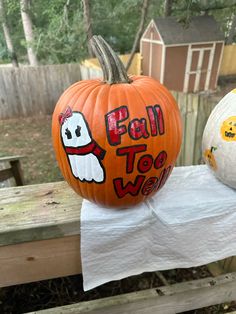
[(223, 266), (164, 300), (11, 158), (10, 171), (195, 110), (39, 260), (27, 91), (228, 63), (39, 233), (17, 172), (4, 181), (38, 212), (10, 167)]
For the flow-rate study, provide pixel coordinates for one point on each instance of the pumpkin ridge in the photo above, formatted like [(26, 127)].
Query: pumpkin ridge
[(91, 95), (101, 142)]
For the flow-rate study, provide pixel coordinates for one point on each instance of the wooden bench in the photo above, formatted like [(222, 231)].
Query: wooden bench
[(40, 239), (10, 167)]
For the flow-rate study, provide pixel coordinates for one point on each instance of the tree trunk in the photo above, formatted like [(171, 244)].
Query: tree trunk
[(168, 7), (28, 30), (139, 32), (7, 36), (232, 32), (88, 26)]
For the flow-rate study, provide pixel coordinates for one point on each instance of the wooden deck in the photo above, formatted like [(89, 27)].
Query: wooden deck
[(175, 298), (10, 168), (39, 226), (40, 239)]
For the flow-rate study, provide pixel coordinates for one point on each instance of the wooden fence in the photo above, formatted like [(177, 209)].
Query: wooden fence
[(29, 90), (134, 69), (228, 63), (195, 110)]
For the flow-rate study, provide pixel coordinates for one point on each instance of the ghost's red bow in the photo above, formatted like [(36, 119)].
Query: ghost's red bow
[(65, 115)]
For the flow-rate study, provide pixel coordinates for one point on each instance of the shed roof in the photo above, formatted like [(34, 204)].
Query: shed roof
[(200, 29)]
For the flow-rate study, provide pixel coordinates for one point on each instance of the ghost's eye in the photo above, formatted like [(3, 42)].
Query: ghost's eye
[(77, 131), (68, 134)]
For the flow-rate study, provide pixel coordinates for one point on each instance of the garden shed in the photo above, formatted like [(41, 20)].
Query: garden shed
[(184, 58)]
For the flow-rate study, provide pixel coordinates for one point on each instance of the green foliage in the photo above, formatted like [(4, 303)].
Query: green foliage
[(13, 16), (117, 21), (60, 36), (222, 10), (3, 50)]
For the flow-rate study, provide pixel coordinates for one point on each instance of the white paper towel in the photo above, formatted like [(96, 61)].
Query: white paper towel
[(190, 222)]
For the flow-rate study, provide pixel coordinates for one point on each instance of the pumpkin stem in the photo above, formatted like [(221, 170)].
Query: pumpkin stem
[(112, 67)]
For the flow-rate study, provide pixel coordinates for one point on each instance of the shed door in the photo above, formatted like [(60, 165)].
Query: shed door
[(198, 69)]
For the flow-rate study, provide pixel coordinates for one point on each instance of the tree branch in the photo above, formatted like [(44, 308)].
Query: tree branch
[(232, 32), (88, 26), (208, 6), (8, 39), (139, 32), (168, 7)]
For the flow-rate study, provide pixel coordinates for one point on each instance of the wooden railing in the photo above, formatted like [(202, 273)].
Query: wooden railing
[(40, 239)]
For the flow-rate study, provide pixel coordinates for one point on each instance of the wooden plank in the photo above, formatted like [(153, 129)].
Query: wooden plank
[(28, 90), (223, 266), (11, 158), (176, 97), (3, 98), (175, 298), (38, 212), (5, 174), (206, 105), (215, 269), (21, 85), (7, 108), (182, 103), (39, 260), (190, 128), (15, 101), (9, 182), (228, 264), (228, 64), (200, 125), (17, 172), (10, 167)]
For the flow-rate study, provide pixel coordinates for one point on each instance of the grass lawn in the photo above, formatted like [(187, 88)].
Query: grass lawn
[(31, 137)]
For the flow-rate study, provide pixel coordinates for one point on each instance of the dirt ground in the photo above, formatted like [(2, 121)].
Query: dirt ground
[(68, 290), (31, 137)]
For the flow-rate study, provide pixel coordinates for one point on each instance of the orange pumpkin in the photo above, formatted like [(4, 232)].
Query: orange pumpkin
[(210, 158), (117, 139)]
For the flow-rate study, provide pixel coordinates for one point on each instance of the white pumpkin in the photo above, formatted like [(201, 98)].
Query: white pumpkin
[(219, 140)]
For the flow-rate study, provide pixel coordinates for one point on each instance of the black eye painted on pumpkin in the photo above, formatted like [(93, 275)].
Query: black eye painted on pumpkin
[(68, 134), (77, 131)]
